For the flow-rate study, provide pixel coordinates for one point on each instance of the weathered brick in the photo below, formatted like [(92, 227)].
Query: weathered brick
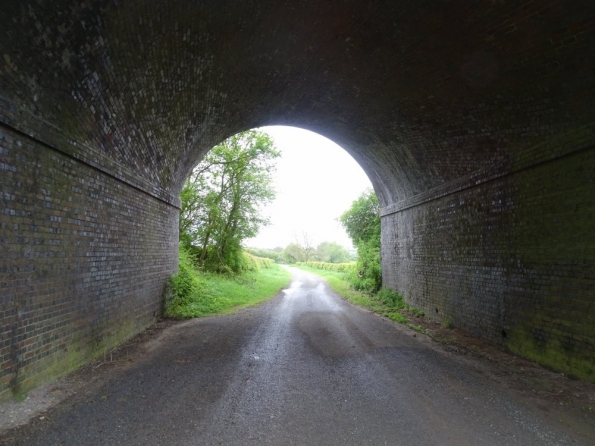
[(474, 121), (489, 259), (54, 305)]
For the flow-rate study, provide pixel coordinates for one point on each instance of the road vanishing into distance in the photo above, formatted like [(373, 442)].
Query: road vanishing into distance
[(305, 368)]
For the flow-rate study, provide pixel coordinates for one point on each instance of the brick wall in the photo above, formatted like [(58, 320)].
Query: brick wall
[(508, 257), (83, 260), (472, 120)]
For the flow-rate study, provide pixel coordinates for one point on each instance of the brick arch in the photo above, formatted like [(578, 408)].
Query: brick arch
[(474, 123), (156, 85)]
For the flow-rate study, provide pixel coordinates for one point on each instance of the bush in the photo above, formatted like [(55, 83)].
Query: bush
[(362, 223), (391, 298), (250, 262), (337, 267), (184, 287), (193, 292), (395, 300), (275, 256), (367, 276)]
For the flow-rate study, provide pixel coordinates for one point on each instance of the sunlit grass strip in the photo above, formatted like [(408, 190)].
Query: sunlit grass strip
[(387, 303), (228, 294), (194, 293)]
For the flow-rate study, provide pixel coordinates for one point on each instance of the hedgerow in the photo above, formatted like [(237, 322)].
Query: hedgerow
[(253, 263), (337, 267)]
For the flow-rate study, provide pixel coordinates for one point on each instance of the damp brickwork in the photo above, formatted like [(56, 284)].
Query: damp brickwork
[(440, 102), (420, 93), (510, 260), (83, 261)]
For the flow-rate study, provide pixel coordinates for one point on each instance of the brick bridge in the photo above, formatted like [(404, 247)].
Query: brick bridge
[(475, 122)]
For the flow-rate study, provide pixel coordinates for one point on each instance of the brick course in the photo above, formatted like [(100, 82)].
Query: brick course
[(83, 261), (473, 120), (510, 259)]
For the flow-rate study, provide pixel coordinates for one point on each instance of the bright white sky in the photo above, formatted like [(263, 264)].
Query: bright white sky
[(316, 181)]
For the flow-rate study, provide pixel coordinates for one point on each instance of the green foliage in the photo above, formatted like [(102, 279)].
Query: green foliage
[(196, 293), (391, 298), (223, 197), (398, 317), (292, 254), (186, 287), (362, 223), (302, 251), (368, 273), (324, 266), (338, 282), (416, 312), (386, 302), (254, 263), (331, 252), (19, 396), (275, 256)]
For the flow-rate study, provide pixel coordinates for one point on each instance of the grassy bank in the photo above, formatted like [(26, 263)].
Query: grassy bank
[(386, 302), (194, 293)]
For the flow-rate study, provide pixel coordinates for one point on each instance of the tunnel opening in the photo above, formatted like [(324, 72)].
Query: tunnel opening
[(296, 180), (478, 138)]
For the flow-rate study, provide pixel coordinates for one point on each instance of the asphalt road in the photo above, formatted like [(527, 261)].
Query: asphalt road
[(305, 368)]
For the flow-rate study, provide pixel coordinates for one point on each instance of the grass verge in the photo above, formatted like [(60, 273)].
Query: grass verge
[(194, 293), (386, 302)]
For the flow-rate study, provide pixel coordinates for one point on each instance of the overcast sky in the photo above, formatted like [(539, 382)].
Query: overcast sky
[(316, 181)]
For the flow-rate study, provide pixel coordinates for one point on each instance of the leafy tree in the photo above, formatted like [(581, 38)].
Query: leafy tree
[(362, 223), (293, 253), (331, 252), (222, 199)]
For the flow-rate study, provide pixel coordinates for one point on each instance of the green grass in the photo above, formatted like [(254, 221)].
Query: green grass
[(338, 282), (446, 323), (398, 317), (194, 293), (386, 302), (19, 396)]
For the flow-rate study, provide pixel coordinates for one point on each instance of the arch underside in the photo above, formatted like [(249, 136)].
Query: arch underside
[(474, 122)]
